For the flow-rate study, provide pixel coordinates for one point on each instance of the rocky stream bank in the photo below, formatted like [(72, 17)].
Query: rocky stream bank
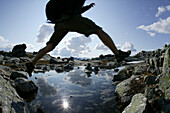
[(140, 88)]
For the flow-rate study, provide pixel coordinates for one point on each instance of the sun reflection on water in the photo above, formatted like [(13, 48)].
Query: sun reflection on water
[(65, 104)]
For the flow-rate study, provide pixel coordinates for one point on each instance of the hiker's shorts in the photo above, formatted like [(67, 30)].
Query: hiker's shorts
[(76, 23)]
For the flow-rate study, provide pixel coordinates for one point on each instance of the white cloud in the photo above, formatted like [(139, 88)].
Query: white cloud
[(4, 44), (2, 40), (74, 47), (162, 26), (128, 46), (151, 34), (44, 32), (168, 7), (124, 47), (30, 47), (78, 44), (160, 11), (63, 52), (101, 47), (119, 46)]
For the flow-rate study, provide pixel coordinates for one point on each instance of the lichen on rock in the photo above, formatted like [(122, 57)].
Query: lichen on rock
[(164, 83)]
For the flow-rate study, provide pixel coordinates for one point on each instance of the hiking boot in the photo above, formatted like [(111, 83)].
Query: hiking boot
[(29, 68), (122, 55)]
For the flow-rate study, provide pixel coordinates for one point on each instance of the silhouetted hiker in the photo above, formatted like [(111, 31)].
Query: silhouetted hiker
[(69, 18)]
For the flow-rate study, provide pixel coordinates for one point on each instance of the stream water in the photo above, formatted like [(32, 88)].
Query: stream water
[(74, 92)]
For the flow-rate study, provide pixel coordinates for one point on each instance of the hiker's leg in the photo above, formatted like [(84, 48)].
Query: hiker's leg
[(106, 39), (51, 44), (42, 52)]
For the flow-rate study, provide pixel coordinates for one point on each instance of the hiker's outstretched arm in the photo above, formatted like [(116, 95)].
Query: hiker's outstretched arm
[(85, 8)]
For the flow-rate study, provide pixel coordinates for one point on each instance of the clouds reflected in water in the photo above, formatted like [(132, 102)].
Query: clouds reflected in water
[(79, 78), (45, 88)]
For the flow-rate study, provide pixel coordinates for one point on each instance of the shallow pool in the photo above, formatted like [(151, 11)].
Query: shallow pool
[(74, 92)]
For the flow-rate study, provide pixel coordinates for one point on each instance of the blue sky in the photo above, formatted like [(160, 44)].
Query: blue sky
[(133, 24)]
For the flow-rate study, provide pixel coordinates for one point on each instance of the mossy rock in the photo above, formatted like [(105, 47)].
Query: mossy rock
[(164, 83)]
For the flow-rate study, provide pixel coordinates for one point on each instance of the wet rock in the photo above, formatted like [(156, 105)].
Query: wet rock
[(52, 67), (42, 68), (27, 89), (116, 70), (68, 67), (46, 68), (96, 68), (17, 74), (53, 61), (137, 105), (164, 83), (88, 67), (59, 69), (88, 72), (19, 50)]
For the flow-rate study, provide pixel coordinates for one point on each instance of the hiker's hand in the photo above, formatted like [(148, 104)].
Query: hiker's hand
[(92, 4)]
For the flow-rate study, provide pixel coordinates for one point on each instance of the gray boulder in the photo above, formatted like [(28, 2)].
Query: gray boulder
[(53, 61), (68, 67), (140, 69), (19, 50), (5, 71), (137, 105), (10, 102), (164, 83), (161, 60), (119, 78), (17, 74), (27, 89), (127, 71), (1, 58), (123, 89)]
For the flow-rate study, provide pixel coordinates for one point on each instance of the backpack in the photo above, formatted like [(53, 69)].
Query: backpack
[(53, 10)]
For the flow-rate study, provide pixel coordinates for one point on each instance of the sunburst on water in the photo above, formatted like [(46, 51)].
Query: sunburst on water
[(65, 104)]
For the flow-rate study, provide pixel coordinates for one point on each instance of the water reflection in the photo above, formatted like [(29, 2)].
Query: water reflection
[(75, 92), (46, 89), (79, 78), (65, 104), (107, 74)]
